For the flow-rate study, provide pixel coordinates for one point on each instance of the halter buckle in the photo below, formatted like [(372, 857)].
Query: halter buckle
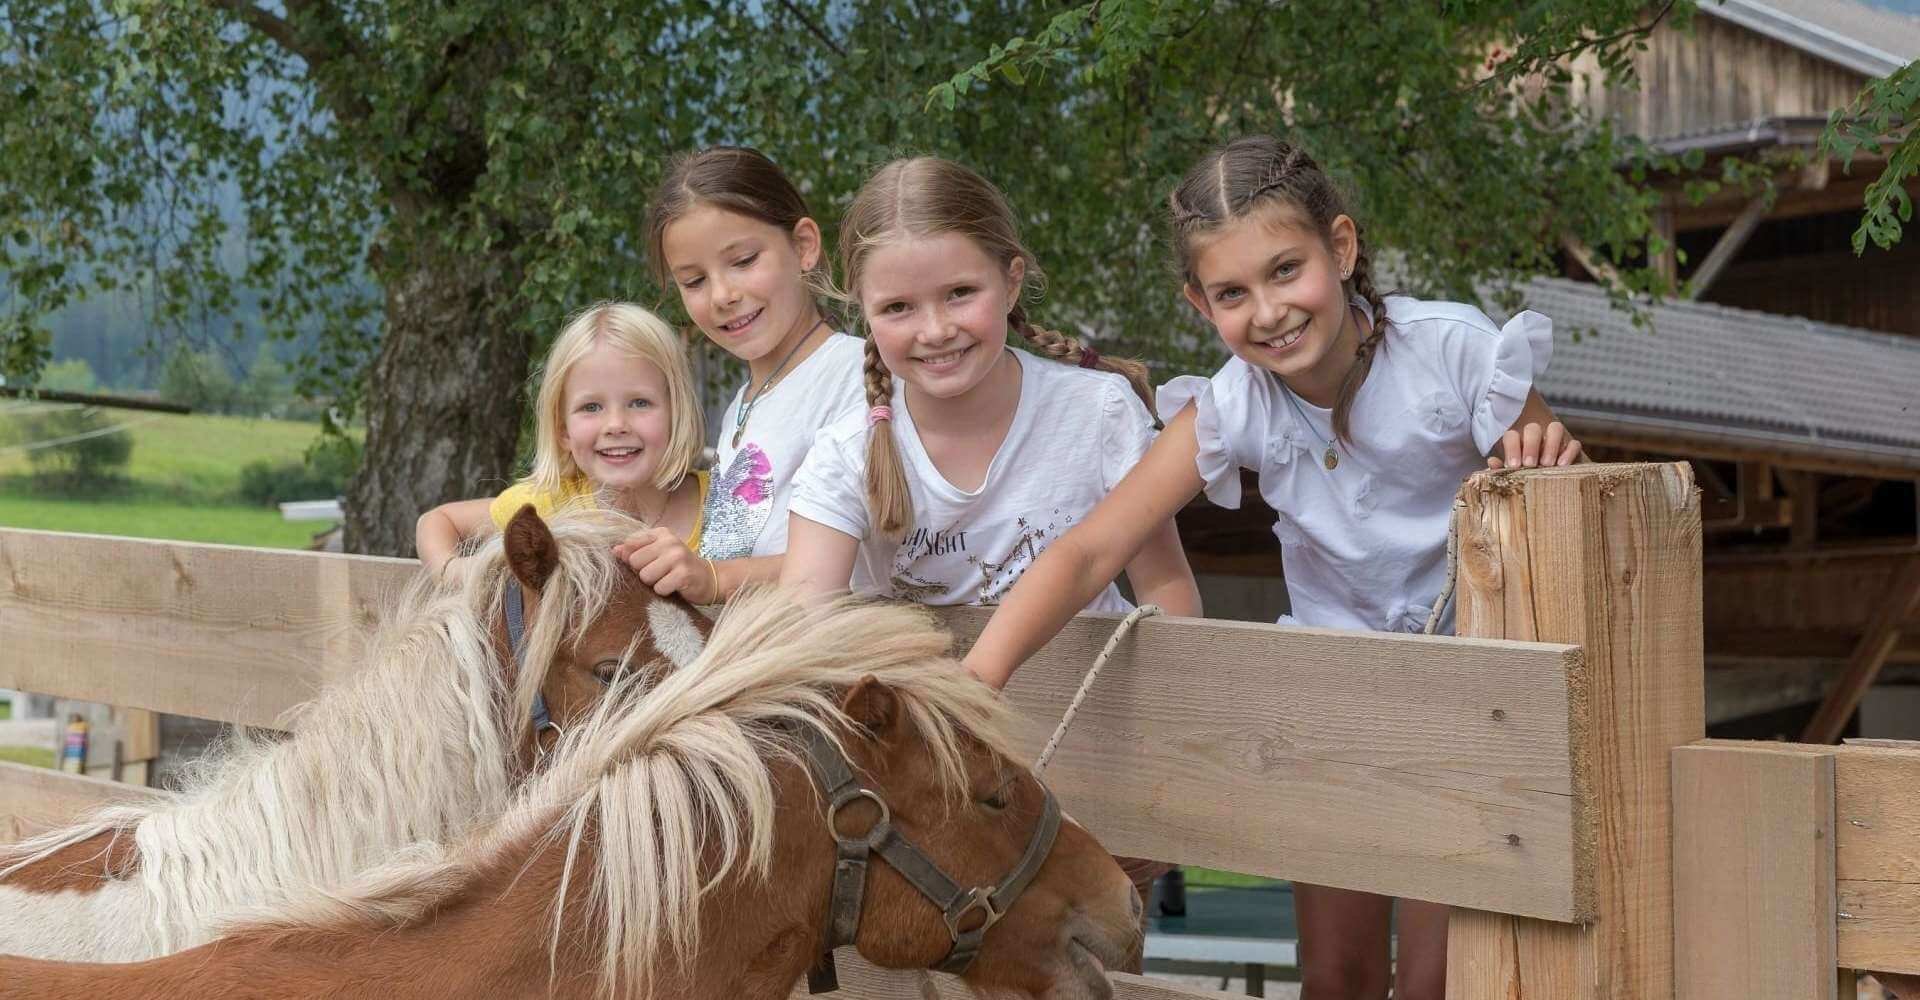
[(979, 898)]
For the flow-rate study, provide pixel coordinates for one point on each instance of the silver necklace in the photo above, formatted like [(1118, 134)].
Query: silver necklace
[(746, 407)]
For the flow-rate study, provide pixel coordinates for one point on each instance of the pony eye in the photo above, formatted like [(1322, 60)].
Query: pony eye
[(606, 670)]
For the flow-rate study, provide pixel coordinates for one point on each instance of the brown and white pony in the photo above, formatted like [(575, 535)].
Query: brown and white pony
[(676, 847), (424, 743)]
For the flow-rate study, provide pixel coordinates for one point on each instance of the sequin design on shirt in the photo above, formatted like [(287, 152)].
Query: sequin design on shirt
[(737, 505), (998, 576)]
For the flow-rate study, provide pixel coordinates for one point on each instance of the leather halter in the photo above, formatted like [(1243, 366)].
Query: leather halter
[(833, 775), (516, 614)]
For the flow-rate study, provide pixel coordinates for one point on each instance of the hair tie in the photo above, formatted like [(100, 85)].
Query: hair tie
[(1089, 357), (878, 414)]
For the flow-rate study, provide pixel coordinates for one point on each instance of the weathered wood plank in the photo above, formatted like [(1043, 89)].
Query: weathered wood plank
[(36, 799), (1877, 855), (214, 631), (1407, 765), (1753, 885), (1414, 766), (1607, 557)]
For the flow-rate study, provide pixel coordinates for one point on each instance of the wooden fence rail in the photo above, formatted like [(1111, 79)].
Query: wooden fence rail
[(1522, 775)]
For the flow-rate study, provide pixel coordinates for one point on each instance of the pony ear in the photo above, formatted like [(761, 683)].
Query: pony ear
[(532, 553), (871, 704)]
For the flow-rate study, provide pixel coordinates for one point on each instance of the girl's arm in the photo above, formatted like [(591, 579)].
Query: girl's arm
[(439, 532), (1536, 438), (819, 559), (1160, 574), (1084, 560)]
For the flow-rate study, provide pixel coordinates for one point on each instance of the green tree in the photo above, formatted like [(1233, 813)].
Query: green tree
[(69, 375), (200, 379), (1880, 122), (433, 186), (76, 448)]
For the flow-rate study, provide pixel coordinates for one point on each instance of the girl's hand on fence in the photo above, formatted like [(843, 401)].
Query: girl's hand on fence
[(663, 562), (1532, 445)]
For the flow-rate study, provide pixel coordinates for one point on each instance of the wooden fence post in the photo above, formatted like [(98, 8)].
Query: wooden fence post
[(1608, 557)]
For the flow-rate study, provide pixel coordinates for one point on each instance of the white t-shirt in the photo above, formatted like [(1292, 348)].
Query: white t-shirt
[(1364, 544), (746, 511), (1075, 433)]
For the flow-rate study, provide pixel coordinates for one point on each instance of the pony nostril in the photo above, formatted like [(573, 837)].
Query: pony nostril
[(1134, 907)]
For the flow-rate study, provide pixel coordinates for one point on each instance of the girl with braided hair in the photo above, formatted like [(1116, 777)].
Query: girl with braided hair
[(1361, 415), (972, 456)]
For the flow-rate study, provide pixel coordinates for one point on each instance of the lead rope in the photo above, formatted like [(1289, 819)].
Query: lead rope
[(1086, 683), (929, 990)]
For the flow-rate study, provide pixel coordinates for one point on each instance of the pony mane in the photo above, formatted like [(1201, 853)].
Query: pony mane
[(673, 783), (417, 746)]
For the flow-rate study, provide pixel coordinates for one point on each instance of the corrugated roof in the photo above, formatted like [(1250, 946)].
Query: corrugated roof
[(1864, 39), (1718, 372)]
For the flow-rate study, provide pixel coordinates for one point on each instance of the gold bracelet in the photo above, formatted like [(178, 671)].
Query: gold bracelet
[(714, 569)]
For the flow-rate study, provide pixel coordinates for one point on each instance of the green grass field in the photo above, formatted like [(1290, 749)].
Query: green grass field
[(36, 756), (182, 483)]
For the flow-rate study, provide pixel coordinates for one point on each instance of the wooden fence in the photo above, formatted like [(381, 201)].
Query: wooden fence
[(1525, 773)]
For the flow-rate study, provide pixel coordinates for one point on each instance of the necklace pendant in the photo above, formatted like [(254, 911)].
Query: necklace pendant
[(1330, 460), (736, 436)]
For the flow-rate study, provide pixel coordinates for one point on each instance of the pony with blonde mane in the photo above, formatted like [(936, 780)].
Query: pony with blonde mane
[(677, 846), (428, 740)]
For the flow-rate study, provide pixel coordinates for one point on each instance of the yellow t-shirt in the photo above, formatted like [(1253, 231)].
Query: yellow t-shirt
[(576, 491)]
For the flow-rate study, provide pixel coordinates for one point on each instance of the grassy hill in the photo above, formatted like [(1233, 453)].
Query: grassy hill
[(182, 482)]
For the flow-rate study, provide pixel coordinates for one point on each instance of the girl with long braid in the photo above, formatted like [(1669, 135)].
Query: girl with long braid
[(972, 456), (1361, 415)]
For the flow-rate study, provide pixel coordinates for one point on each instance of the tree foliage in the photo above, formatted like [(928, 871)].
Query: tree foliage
[(1881, 121), (428, 188)]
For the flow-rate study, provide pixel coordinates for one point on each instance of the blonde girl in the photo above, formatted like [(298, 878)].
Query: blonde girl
[(1361, 414), (971, 456), (616, 422), (733, 236)]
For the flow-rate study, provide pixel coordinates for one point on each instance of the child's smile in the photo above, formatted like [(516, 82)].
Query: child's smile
[(1274, 290), (617, 420)]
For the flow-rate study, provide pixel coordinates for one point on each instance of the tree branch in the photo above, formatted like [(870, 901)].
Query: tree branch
[(275, 28), (349, 104), (815, 29), (1636, 31)]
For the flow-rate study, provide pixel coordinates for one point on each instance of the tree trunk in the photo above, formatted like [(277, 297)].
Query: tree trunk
[(444, 398)]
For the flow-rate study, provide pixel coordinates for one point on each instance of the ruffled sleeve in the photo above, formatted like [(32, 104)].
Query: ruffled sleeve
[(1126, 431), (1212, 432), (1520, 357)]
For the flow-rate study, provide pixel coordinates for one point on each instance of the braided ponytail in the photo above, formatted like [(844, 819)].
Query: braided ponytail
[(1060, 347), (887, 496), (1360, 284)]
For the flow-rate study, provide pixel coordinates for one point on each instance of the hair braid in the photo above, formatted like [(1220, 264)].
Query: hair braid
[(1359, 283), (1061, 347), (888, 500)]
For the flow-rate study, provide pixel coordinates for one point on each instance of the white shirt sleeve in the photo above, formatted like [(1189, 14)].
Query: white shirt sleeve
[(830, 487), (1228, 426), (1493, 369), (1126, 431)]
